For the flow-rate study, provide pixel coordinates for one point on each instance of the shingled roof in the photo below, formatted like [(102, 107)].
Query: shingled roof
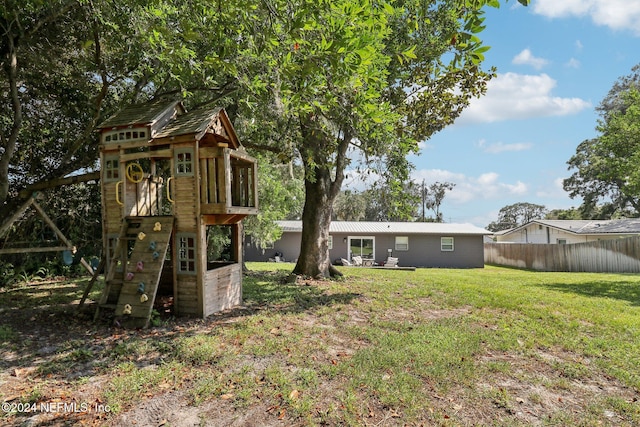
[(139, 114), (195, 122)]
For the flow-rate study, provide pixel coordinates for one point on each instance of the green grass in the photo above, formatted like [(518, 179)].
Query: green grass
[(444, 347)]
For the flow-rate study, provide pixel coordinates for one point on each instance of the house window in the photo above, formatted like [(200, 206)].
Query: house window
[(111, 168), (446, 244), (362, 246), (330, 242), (402, 243), (186, 253), (562, 241), (184, 162)]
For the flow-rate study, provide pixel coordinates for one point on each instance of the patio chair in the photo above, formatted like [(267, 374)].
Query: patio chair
[(391, 262)]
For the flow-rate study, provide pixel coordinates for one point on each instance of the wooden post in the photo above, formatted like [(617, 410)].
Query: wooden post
[(96, 272), (8, 223), (61, 236)]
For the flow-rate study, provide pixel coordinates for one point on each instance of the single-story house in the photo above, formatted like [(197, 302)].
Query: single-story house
[(415, 244), (569, 231)]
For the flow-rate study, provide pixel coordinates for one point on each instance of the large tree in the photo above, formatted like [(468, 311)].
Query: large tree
[(372, 76), (68, 64), (606, 167), (517, 214), (309, 80)]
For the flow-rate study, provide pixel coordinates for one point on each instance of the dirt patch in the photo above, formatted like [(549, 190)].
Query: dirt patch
[(55, 358)]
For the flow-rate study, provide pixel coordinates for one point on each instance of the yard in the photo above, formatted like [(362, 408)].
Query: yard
[(490, 346)]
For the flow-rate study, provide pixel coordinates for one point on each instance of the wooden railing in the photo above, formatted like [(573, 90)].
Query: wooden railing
[(228, 182)]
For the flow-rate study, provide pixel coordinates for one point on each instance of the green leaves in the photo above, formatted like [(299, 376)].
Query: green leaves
[(606, 167)]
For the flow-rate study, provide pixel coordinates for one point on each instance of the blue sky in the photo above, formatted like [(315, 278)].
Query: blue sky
[(556, 60)]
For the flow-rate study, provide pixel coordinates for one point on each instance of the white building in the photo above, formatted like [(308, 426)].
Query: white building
[(569, 231)]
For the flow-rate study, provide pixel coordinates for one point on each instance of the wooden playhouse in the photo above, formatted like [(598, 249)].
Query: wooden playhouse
[(174, 185)]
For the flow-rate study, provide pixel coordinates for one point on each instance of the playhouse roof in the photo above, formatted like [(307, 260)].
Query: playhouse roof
[(141, 114), (198, 122)]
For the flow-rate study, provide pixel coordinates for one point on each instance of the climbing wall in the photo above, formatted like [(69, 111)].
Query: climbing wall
[(142, 271)]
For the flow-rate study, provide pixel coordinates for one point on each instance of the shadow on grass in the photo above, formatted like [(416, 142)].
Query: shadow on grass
[(43, 329), (621, 290), (272, 290)]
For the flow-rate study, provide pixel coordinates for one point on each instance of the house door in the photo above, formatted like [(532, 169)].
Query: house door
[(363, 246)]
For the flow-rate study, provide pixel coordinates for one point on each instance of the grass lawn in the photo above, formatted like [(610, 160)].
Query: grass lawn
[(490, 346)]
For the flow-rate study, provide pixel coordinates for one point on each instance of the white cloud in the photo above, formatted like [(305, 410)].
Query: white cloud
[(499, 147), (573, 63), (554, 190), (526, 58), (579, 45), (423, 145), (519, 96), (487, 186), (616, 14)]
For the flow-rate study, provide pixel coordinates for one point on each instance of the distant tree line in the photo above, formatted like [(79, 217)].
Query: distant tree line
[(416, 202)]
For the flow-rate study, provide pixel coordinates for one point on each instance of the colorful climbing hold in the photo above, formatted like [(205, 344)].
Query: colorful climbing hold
[(157, 227), (156, 255), (141, 288), (140, 266), (141, 235), (129, 276), (144, 298), (126, 309), (153, 245)]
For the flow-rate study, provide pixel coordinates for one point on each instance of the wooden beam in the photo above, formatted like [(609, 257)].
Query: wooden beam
[(33, 250), (243, 156), (59, 233), (8, 223), (52, 183), (96, 272), (159, 154)]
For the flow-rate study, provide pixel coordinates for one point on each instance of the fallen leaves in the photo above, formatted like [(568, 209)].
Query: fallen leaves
[(294, 395)]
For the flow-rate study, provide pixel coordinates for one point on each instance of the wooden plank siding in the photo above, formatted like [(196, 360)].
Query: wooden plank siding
[(185, 204), (221, 288), (610, 256), (112, 212), (187, 296)]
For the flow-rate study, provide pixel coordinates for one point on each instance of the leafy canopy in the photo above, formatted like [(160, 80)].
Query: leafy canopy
[(606, 167)]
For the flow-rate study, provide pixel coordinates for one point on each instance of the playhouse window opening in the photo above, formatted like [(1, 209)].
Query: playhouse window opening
[(186, 253), (111, 168), (184, 162), (129, 135), (220, 241), (242, 183)]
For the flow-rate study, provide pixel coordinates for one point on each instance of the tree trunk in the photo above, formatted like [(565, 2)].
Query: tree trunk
[(8, 143), (324, 173), (316, 218)]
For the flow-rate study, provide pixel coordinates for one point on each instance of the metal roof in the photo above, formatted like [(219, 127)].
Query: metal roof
[(368, 227), (587, 226), (139, 114), (617, 226)]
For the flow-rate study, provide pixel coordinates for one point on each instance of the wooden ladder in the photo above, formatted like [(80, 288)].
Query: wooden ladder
[(132, 280)]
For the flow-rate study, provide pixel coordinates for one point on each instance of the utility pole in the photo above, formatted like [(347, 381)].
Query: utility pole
[(424, 200)]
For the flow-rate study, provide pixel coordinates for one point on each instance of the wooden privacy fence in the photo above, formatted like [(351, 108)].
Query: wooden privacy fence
[(603, 256)]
